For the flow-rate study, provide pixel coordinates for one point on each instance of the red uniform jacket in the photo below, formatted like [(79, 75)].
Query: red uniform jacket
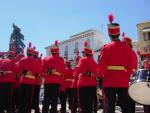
[(38, 79), (74, 83), (17, 72), (7, 66), (86, 64), (69, 78), (119, 54), (28, 64), (0, 70), (55, 63), (134, 61)]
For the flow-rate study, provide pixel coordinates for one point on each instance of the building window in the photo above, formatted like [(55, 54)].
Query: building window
[(88, 41), (148, 35), (66, 51), (145, 36), (76, 46)]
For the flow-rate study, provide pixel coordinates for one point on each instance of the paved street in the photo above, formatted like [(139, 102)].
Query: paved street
[(139, 109)]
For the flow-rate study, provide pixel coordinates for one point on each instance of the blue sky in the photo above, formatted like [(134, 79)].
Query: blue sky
[(43, 21)]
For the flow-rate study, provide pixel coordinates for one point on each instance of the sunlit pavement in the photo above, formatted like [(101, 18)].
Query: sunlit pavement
[(139, 109)]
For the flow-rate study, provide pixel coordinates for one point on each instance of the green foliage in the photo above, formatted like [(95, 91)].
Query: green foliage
[(16, 39)]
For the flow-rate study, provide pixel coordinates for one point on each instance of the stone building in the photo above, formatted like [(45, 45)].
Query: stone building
[(76, 42), (144, 37)]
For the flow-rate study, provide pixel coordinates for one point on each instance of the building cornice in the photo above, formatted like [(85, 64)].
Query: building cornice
[(76, 37), (148, 21)]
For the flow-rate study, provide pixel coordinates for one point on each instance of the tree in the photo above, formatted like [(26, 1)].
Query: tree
[(16, 39)]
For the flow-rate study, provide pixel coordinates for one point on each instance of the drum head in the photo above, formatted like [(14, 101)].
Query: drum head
[(140, 92)]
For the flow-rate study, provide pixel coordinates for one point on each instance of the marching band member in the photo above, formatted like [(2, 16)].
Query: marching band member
[(134, 60), (146, 65), (38, 80), (7, 82), (86, 73), (62, 95), (1, 72), (27, 81), (17, 72), (74, 87), (115, 68), (1, 55), (134, 63), (1, 82), (54, 68), (68, 83)]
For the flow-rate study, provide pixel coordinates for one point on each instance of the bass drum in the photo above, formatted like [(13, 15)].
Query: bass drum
[(139, 89)]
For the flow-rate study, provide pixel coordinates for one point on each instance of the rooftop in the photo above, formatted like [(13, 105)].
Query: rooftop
[(147, 21), (73, 37)]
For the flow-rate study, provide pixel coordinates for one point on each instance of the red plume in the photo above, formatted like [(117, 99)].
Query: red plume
[(85, 44), (77, 53), (110, 18), (34, 47), (138, 52), (123, 34), (30, 44), (41, 55), (146, 49), (56, 42)]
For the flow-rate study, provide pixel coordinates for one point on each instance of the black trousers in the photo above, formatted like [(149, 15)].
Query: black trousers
[(6, 93), (69, 96), (74, 101), (62, 98), (35, 100), (15, 99), (146, 108), (1, 99), (87, 98), (51, 94), (25, 98), (95, 104), (109, 100)]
